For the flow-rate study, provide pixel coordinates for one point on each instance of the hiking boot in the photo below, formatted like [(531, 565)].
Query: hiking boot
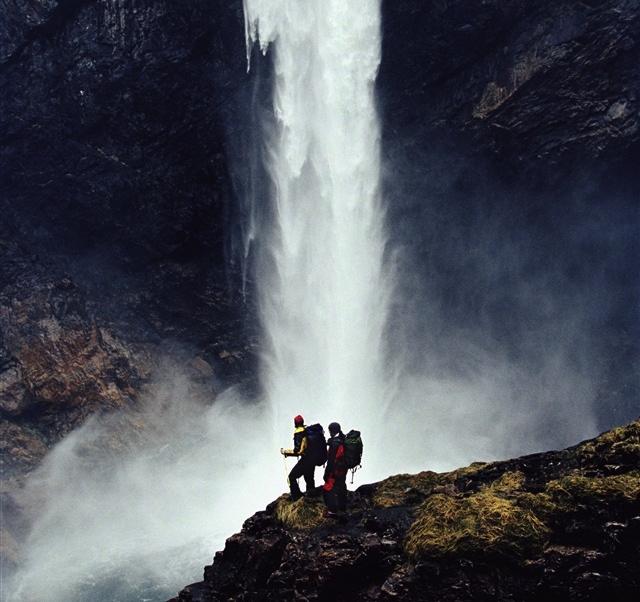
[(294, 497), (330, 514)]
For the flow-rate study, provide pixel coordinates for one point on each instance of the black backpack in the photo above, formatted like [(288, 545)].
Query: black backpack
[(352, 449), (316, 444)]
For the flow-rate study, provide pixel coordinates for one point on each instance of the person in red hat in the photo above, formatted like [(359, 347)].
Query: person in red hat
[(305, 467)]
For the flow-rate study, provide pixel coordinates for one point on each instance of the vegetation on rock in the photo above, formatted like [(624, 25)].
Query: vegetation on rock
[(482, 523), (304, 513), (554, 525)]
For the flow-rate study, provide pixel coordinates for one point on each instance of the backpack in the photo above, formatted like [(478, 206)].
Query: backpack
[(353, 449), (316, 444)]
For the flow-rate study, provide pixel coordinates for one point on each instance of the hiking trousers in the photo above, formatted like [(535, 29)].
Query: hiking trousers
[(335, 493), (303, 468)]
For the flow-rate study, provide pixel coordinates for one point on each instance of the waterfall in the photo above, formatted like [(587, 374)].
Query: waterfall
[(322, 284)]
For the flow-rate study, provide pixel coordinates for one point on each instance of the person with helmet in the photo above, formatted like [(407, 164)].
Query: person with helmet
[(305, 467), (335, 474)]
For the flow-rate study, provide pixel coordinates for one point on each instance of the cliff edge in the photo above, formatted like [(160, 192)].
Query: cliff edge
[(558, 525)]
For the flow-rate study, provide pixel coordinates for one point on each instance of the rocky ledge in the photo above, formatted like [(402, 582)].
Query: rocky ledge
[(561, 525)]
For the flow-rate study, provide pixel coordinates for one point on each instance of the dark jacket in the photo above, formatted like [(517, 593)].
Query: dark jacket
[(335, 457)]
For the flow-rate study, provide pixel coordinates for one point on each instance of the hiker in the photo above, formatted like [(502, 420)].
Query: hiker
[(335, 474), (306, 465)]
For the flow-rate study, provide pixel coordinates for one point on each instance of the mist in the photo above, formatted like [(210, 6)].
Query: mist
[(514, 306), (488, 310), (132, 505)]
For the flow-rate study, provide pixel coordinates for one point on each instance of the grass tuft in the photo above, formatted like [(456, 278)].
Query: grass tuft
[(403, 489), (619, 445), (465, 471), (508, 484), (505, 519), (482, 523), (575, 491), (305, 513)]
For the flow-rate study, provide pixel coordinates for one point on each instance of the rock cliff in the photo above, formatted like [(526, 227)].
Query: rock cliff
[(560, 525), (115, 191), (533, 83), (124, 129), (123, 139)]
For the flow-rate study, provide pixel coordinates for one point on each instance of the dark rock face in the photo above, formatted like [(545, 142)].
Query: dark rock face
[(123, 126), (588, 534), (535, 83), (59, 365), (114, 195), (112, 124), (511, 132), (115, 161)]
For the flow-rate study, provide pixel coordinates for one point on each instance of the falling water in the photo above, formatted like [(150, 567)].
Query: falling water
[(138, 523), (323, 288), (323, 297)]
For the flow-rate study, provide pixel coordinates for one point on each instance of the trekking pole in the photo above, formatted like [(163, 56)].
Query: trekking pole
[(286, 469)]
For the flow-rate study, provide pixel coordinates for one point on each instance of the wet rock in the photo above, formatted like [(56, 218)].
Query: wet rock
[(117, 174), (12, 391), (60, 358), (366, 557), (21, 448), (202, 368), (529, 82)]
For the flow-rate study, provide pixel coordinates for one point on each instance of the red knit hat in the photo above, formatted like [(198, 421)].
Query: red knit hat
[(298, 420)]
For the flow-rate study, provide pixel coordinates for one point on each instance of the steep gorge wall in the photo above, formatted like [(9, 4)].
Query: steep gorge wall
[(122, 124), (511, 136), (115, 191), (114, 194)]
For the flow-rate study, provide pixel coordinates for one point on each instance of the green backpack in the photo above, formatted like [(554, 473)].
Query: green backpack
[(352, 449)]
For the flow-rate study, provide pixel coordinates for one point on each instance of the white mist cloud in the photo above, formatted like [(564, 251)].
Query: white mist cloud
[(142, 500)]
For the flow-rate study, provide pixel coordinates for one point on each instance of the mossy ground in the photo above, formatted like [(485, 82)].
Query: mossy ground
[(508, 516), (490, 521), (504, 518), (621, 444), (406, 489), (465, 471), (305, 513), (400, 489), (575, 490)]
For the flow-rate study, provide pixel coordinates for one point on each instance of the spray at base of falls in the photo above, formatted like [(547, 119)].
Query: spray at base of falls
[(323, 286), (323, 297)]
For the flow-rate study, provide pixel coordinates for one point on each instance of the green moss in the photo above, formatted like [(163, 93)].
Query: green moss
[(410, 489), (621, 444), (508, 484), (482, 523), (576, 490), (503, 518), (305, 513), (399, 490), (465, 471)]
